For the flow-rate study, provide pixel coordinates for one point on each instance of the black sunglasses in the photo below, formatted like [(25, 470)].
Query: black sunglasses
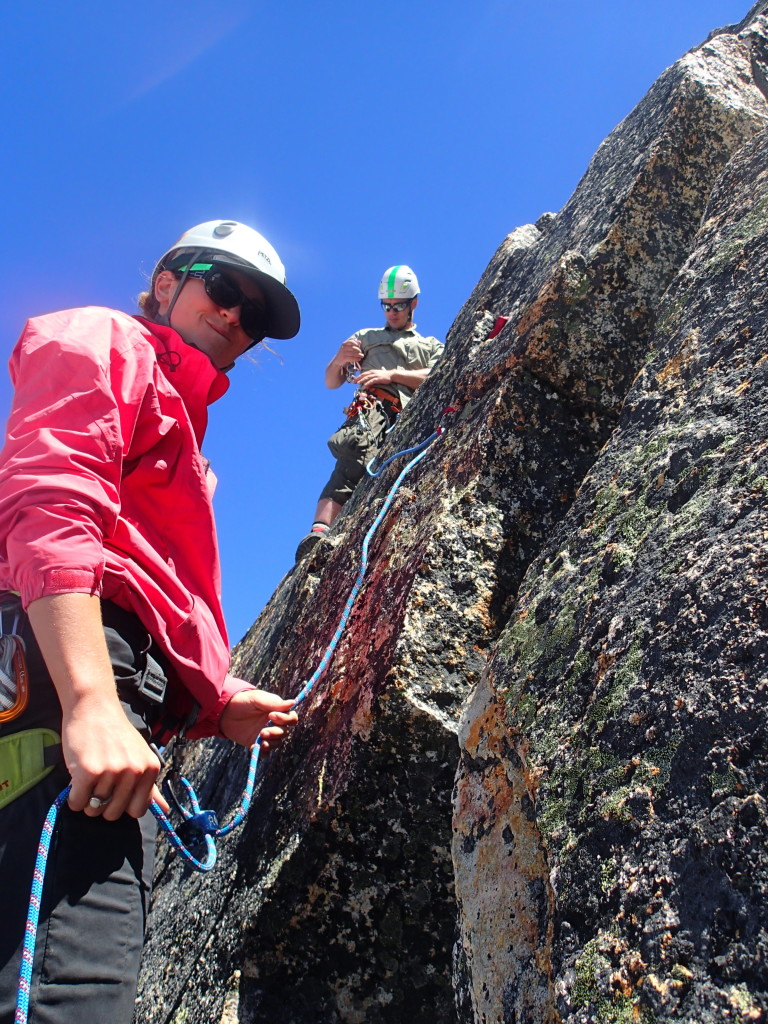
[(226, 292), (395, 307)]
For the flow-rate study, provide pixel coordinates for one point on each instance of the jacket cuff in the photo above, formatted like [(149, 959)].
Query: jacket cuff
[(209, 725), (59, 581)]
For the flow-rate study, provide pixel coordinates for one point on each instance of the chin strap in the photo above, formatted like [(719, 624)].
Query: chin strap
[(165, 318)]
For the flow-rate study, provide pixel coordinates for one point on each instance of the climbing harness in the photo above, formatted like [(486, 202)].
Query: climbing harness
[(362, 402), (365, 400), (26, 758), (373, 398), (390, 403), (349, 437), (202, 825)]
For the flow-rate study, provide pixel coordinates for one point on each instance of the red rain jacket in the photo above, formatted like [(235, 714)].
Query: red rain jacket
[(103, 488)]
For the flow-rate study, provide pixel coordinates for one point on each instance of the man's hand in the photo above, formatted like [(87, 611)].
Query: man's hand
[(372, 378), (350, 352), (252, 713), (412, 379)]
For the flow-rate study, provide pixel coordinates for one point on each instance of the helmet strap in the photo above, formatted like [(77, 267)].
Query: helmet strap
[(165, 318)]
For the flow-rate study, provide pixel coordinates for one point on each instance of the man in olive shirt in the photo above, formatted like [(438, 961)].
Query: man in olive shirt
[(390, 363)]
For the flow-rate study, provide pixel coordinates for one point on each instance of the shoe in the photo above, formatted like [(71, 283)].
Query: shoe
[(308, 542)]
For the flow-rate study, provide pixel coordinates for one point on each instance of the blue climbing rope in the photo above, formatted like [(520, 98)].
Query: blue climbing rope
[(200, 823), (406, 451), (33, 914), (422, 449)]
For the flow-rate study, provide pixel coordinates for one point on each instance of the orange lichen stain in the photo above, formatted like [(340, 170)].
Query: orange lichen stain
[(621, 984), (683, 357), (487, 728), (337, 686), (743, 387), (671, 369), (535, 318), (636, 965), (604, 663), (481, 803), (479, 611)]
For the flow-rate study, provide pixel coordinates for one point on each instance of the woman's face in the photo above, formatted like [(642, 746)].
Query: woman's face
[(214, 330)]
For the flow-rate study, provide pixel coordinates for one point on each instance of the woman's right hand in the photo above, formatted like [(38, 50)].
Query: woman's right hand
[(108, 761)]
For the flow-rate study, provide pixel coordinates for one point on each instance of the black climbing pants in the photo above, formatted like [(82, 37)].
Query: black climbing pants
[(354, 444), (99, 873)]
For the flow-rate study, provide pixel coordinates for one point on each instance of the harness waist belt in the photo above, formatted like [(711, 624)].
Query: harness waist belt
[(391, 402), (153, 681)]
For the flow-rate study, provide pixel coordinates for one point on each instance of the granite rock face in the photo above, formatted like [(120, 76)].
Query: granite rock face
[(572, 583)]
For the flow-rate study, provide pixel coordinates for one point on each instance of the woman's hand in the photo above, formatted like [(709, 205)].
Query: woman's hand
[(109, 761), (252, 713)]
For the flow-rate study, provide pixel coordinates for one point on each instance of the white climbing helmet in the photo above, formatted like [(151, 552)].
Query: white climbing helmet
[(229, 243), (398, 282)]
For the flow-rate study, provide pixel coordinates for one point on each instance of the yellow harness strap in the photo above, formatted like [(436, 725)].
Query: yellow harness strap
[(25, 759)]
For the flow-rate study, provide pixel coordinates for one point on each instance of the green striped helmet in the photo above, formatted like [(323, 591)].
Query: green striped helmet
[(398, 282)]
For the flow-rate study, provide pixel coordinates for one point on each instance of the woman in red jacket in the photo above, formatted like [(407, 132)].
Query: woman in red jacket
[(110, 574)]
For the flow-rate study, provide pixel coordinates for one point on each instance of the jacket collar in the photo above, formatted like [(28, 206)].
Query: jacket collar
[(189, 371)]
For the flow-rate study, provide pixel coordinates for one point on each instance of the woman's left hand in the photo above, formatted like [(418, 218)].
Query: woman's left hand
[(252, 713)]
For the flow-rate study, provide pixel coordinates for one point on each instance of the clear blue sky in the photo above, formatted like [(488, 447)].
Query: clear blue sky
[(354, 135)]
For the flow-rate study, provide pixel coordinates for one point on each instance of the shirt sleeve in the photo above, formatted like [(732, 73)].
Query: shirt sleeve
[(60, 468), (435, 351), (209, 725)]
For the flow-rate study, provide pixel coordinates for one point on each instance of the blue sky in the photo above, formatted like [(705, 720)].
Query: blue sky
[(354, 135)]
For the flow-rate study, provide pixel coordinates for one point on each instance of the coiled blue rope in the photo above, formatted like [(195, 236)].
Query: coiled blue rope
[(204, 822)]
